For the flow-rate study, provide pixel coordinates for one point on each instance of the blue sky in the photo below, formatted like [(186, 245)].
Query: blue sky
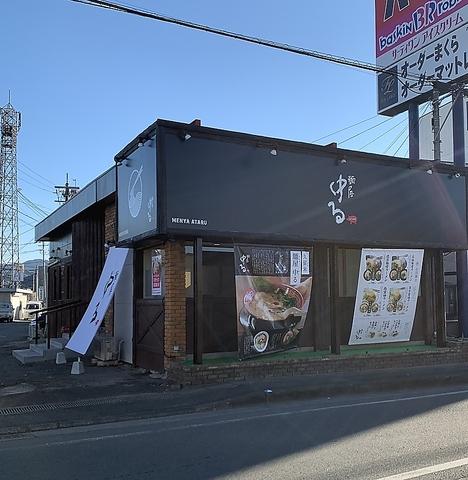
[(88, 80)]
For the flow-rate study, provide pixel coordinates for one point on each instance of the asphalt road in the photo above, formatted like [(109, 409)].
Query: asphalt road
[(13, 332), (366, 437)]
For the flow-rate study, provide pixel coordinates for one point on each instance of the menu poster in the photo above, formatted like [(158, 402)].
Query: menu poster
[(156, 288), (273, 288), (387, 295)]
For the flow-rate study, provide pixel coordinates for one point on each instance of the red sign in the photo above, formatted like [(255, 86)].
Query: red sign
[(397, 21)]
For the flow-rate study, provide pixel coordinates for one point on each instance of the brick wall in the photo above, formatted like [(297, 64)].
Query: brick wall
[(205, 374), (175, 314), (109, 236)]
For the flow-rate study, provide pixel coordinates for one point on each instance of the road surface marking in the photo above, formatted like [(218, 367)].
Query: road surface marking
[(313, 410), (428, 470), (98, 439), (77, 440), (165, 422)]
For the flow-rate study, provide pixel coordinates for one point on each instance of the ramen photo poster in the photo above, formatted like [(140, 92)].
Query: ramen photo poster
[(273, 289)]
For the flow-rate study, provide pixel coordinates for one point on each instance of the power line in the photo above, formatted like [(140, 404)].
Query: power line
[(27, 223), (383, 134), (448, 113), (50, 182), (33, 227), (365, 131), (344, 129), (38, 213), (411, 131), (32, 205), (402, 132), (35, 186), (238, 36), (28, 216), (37, 180)]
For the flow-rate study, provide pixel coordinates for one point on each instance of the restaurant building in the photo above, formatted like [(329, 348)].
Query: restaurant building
[(221, 223)]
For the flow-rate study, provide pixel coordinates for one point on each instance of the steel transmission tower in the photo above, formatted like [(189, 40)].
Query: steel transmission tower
[(10, 124)]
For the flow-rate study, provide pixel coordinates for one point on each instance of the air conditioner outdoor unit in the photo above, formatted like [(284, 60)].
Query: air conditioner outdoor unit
[(106, 349)]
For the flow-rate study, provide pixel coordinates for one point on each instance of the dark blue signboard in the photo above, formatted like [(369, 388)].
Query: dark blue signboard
[(232, 185)]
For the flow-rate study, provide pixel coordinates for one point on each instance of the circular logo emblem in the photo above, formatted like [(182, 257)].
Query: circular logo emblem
[(135, 193)]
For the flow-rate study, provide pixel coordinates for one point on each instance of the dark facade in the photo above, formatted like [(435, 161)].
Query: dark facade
[(185, 195), (214, 189)]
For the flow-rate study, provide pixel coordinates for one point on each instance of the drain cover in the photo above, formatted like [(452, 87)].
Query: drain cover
[(47, 407)]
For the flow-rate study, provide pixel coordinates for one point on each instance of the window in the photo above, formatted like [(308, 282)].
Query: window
[(348, 271)]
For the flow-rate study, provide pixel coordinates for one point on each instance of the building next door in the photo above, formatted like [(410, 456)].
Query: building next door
[(148, 336)]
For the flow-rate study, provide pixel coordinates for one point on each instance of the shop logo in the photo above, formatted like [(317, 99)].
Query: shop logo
[(342, 188), (390, 7), (135, 192)]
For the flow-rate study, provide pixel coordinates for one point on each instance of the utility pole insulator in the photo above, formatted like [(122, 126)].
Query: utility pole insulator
[(65, 192)]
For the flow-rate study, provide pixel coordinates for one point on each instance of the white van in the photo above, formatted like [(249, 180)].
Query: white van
[(31, 308)]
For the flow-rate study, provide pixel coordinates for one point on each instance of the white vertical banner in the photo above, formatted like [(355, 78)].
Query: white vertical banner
[(92, 319), (387, 295)]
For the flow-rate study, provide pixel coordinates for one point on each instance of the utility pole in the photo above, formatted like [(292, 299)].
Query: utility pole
[(10, 124), (436, 122), (65, 192), (459, 160), (413, 133)]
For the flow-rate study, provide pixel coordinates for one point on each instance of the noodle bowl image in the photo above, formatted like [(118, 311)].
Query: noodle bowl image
[(272, 311), (277, 305)]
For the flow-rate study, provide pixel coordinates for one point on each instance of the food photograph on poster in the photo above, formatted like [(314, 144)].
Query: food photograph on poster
[(273, 288)]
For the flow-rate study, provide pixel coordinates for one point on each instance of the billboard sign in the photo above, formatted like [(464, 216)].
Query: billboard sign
[(273, 288), (420, 40), (136, 184), (216, 186), (387, 295)]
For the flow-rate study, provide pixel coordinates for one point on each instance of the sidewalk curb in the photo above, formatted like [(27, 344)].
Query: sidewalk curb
[(256, 397)]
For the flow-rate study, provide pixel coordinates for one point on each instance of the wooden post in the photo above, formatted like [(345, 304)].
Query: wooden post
[(334, 321), (439, 297), (198, 301), (427, 296), (321, 298)]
